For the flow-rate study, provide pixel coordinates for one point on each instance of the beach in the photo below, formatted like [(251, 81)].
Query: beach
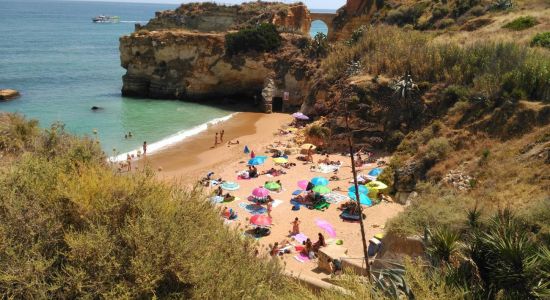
[(190, 160)]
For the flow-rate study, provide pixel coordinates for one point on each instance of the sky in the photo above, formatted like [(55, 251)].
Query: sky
[(312, 4)]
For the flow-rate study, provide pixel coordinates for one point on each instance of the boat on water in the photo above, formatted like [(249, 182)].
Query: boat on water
[(106, 19)]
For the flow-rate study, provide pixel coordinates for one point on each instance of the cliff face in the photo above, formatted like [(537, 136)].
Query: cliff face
[(181, 55)]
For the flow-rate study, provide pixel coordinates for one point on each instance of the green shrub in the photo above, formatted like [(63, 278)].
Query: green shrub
[(405, 15), (521, 23), (439, 12), (262, 38), (447, 22), (477, 10), (479, 67), (437, 149), (541, 39)]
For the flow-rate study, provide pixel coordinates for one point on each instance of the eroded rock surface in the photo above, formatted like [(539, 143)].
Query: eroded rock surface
[(8, 94)]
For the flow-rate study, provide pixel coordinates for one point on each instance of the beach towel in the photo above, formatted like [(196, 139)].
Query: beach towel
[(297, 192), (325, 169), (300, 238), (216, 199), (301, 258), (335, 198), (253, 208), (276, 203)]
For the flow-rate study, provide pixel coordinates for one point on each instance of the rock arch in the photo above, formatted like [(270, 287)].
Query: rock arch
[(328, 19)]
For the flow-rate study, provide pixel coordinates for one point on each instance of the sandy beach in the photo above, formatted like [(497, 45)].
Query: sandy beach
[(195, 157)]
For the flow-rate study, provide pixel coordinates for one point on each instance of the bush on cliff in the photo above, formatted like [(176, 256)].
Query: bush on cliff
[(70, 227), (483, 68), (521, 23), (262, 38)]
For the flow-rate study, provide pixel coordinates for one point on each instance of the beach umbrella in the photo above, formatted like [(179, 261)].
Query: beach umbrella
[(375, 172), (377, 185), (303, 184), (363, 199), (319, 181), (272, 186), (327, 227), (260, 192), (230, 186), (362, 189), (280, 160), (261, 220), (258, 160), (306, 146), (321, 189), (300, 116)]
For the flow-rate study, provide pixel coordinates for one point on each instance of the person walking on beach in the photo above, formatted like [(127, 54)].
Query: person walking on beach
[(295, 226), (216, 140), (221, 136), (144, 148), (269, 208)]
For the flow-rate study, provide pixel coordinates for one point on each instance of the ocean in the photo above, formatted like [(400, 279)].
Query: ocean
[(63, 64)]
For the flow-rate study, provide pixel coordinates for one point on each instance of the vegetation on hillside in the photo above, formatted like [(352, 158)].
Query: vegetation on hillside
[(491, 70), (72, 228), (521, 23), (262, 38), (541, 39)]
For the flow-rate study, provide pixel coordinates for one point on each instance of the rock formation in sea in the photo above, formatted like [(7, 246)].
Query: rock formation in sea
[(8, 94), (180, 54)]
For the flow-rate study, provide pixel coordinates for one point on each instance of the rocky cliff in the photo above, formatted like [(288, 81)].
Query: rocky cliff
[(180, 54)]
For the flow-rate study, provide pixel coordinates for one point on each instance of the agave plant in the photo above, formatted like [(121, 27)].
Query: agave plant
[(509, 262), (405, 86), (391, 282), (443, 243)]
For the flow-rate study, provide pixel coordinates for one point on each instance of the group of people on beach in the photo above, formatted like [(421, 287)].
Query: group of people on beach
[(220, 140)]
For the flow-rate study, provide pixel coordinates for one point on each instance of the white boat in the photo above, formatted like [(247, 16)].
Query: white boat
[(106, 19)]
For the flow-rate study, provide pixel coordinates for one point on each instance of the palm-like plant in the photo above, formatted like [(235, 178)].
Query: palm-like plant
[(405, 86), (508, 261), (443, 243)]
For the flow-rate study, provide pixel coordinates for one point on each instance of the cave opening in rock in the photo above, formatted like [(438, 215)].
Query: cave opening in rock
[(277, 104)]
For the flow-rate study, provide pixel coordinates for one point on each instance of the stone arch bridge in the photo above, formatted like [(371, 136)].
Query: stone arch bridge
[(328, 19)]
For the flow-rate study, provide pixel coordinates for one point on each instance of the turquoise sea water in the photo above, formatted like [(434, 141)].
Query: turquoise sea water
[(64, 64)]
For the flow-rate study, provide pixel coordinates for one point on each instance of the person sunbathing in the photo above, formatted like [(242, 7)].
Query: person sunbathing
[(219, 191), (280, 185), (228, 197), (325, 160), (233, 143), (275, 249), (320, 243)]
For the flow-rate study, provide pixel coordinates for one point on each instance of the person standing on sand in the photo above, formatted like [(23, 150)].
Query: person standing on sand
[(295, 226), (129, 162), (144, 148), (221, 135), (310, 154), (216, 140), (269, 208)]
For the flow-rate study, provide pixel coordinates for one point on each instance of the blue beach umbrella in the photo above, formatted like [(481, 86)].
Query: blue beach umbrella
[(363, 198), (258, 160), (319, 181), (362, 189), (375, 172)]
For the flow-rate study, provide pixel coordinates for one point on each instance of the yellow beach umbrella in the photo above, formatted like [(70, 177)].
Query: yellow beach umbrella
[(378, 185), (280, 160), (379, 236)]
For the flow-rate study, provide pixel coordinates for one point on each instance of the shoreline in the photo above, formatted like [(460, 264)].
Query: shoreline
[(188, 160)]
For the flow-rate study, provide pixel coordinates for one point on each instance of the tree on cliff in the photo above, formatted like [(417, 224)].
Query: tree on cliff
[(262, 38)]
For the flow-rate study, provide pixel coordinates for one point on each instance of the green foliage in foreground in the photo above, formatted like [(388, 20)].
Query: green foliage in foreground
[(72, 228), (521, 23), (497, 259), (262, 38), (541, 39), (486, 69)]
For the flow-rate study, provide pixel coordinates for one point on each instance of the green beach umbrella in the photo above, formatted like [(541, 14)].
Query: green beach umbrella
[(321, 189), (272, 186)]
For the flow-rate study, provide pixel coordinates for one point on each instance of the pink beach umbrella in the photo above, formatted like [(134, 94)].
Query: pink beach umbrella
[(260, 192), (303, 184), (261, 220), (327, 227)]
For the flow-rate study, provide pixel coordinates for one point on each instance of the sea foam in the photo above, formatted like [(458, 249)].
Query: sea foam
[(172, 139)]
